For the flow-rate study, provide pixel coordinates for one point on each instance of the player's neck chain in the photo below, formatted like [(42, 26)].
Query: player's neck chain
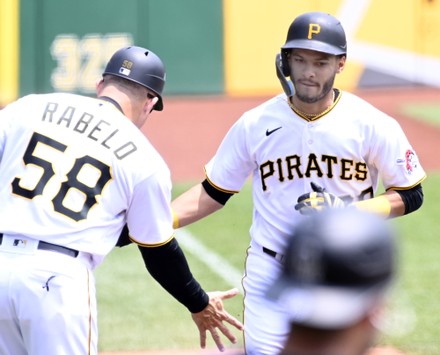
[(311, 116)]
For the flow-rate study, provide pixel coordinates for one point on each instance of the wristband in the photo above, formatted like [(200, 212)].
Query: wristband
[(175, 220), (379, 205)]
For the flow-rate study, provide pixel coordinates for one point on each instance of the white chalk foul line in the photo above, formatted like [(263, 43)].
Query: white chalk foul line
[(214, 261)]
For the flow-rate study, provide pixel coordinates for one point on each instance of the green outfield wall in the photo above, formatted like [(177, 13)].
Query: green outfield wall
[(209, 46), (65, 44)]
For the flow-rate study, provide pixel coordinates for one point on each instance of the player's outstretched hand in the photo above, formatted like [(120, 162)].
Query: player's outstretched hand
[(212, 319), (317, 200)]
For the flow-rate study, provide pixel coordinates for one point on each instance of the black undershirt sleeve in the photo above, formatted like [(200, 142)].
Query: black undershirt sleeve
[(412, 198), (220, 196), (124, 238), (168, 266)]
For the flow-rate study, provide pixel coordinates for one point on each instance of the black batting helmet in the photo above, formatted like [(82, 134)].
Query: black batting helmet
[(338, 265), (317, 31), (141, 66)]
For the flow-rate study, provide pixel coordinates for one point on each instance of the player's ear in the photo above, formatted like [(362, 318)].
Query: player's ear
[(98, 85), (341, 64), (149, 104)]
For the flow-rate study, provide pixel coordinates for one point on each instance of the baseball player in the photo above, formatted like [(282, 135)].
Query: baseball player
[(311, 133), (74, 171), (332, 295)]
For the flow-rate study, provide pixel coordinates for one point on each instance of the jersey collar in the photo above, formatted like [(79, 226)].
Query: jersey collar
[(113, 102)]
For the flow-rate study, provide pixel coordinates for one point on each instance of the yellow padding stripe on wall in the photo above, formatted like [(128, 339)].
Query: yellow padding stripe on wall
[(9, 47)]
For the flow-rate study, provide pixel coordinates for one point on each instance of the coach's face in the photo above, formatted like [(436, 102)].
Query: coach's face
[(313, 73)]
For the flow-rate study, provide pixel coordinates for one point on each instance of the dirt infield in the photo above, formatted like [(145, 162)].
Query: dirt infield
[(376, 351), (189, 130)]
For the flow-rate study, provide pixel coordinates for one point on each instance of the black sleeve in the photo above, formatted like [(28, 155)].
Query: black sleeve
[(168, 266), (124, 238), (412, 198), (216, 194)]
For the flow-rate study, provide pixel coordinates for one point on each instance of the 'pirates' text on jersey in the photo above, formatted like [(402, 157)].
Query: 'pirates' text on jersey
[(347, 151)]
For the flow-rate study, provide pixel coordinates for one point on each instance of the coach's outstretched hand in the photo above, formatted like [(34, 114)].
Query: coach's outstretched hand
[(213, 316)]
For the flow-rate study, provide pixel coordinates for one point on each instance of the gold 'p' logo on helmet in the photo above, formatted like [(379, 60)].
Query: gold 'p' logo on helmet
[(314, 28)]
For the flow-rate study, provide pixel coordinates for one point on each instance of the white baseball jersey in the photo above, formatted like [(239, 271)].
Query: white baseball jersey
[(347, 151), (74, 170)]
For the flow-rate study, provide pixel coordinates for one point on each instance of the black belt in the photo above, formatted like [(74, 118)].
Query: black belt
[(52, 247), (274, 254)]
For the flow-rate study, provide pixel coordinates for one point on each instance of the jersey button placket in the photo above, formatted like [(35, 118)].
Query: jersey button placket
[(309, 131)]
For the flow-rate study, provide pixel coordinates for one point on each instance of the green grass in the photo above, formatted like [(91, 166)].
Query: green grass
[(136, 314), (416, 296), (429, 113)]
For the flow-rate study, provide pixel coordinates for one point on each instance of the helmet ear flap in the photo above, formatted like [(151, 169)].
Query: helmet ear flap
[(287, 85), (285, 68)]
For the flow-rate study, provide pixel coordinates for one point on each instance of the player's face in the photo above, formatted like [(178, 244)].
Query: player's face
[(313, 73)]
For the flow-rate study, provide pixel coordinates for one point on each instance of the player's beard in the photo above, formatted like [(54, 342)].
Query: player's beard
[(326, 88)]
